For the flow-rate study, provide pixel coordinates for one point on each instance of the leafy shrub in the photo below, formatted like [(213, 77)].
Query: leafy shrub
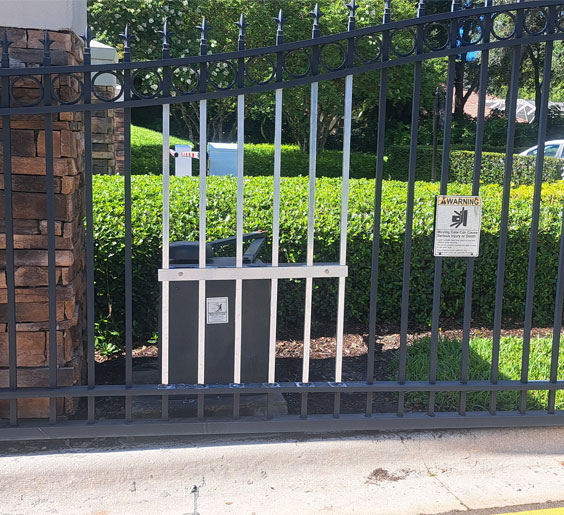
[(221, 217), (493, 166), (146, 158)]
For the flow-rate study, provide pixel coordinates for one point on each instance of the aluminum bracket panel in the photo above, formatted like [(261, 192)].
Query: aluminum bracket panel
[(283, 271)]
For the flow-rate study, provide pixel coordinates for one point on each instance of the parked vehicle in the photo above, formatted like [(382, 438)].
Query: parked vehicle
[(554, 148)]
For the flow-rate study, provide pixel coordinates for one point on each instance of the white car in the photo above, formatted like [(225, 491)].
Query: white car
[(554, 148)]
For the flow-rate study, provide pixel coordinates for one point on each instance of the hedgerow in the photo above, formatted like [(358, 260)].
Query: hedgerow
[(146, 158), (221, 218)]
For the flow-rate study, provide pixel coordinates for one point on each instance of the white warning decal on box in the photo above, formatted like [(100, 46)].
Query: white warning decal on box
[(217, 310)]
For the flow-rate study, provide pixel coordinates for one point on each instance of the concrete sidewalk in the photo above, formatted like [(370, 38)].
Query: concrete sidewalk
[(399, 473)]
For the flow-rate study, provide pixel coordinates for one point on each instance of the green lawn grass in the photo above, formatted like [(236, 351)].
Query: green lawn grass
[(141, 136), (449, 360)]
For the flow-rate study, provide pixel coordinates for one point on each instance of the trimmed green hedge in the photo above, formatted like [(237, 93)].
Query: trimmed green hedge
[(493, 165), (146, 192), (146, 158)]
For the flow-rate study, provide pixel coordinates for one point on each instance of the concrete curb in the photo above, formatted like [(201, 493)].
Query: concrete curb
[(398, 473)]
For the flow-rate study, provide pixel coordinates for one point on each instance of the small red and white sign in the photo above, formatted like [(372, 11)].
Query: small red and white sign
[(195, 155)]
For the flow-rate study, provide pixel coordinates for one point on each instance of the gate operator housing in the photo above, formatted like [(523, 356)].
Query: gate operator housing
[(222, 158), (220, 317), (182, 164)]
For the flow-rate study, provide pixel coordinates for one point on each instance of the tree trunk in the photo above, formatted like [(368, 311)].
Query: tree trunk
[(459, 88)]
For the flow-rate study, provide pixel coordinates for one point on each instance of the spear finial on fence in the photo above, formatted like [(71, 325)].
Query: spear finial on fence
[(46, 42), (166, 34), (126, 36), (352, 11), (317, 14), (5, 45), (203, 28), (242, 26), (87, 38), (280, 31), (421, 8), (387, 12)]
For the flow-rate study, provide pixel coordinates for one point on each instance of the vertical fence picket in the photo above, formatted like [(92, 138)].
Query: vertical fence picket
[(417, 71), (9, 221), (204, 28), (316, 13), (480, 122), (375, 260), (88, 194), (275, 214), (51, 253), (539, 165), (164, 355), (239, 231), (445, 163), (128, 236), (347, 122), (558, 306), (511, 111)]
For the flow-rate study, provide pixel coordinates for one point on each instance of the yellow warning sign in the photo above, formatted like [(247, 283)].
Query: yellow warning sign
[(453, 200)]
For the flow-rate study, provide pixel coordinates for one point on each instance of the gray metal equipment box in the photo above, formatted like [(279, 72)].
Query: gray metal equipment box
[(222, 158), (182, 164), (219, 319)]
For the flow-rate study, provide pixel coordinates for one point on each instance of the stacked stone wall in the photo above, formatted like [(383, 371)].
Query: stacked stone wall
[(119, 145), (103, 137), (30, 229)]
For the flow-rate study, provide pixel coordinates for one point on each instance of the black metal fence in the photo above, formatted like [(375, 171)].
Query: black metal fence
[(445, 35)]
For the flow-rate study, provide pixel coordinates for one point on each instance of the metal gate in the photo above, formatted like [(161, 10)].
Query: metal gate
[(387, 56)]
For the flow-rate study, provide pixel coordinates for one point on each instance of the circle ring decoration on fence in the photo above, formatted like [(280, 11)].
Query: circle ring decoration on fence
[(80, 89), (256, 59), (376, 42), (227, 65), (296, 52), (475, 31), (159, 84), (559, 21), (322, 59), (530, 14), (119, 79), (428, 32), (494, 31), (191, 70), (41, 91), (395, 49)]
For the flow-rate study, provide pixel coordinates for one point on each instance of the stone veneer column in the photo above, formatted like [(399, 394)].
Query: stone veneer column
[(119, 145), (103, 138), (30, 229), (103, 124)]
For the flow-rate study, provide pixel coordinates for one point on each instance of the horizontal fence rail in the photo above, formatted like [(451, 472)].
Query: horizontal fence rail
[(449, 42), (204, 78)]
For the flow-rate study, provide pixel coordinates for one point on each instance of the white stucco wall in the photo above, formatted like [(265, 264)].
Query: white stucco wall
[(44, 14), (104, 54)]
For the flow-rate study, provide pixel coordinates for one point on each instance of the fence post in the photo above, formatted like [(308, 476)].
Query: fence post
[(27, 158)]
